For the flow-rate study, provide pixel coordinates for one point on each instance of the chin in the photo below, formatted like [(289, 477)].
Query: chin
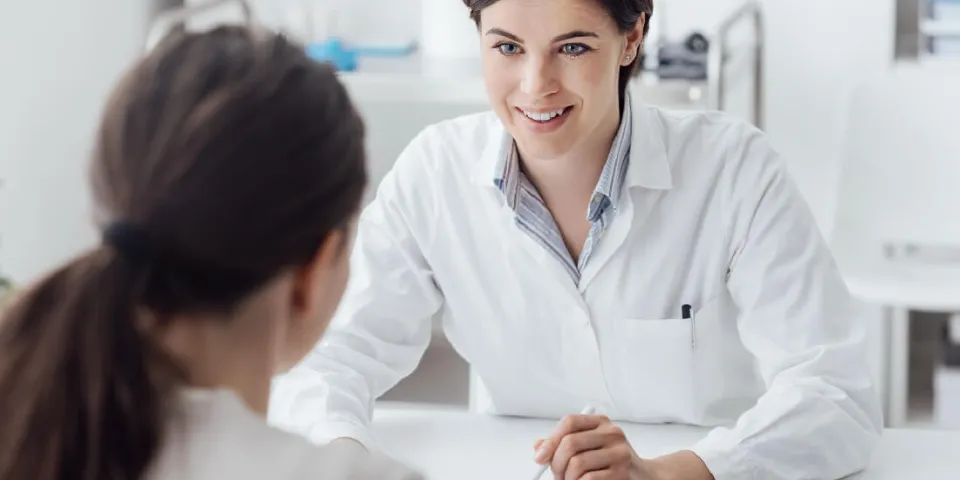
[(543, 139), (544, 148)]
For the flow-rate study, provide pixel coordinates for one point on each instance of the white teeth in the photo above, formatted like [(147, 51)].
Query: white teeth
[(543, 117)]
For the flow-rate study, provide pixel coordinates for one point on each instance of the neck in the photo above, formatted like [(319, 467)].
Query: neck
[(577, 171), (225, 353)]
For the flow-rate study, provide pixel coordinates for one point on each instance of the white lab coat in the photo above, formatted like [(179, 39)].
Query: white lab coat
[(772, 356)]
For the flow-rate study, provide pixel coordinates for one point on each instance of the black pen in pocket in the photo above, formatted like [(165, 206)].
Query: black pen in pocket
[(686, 313)]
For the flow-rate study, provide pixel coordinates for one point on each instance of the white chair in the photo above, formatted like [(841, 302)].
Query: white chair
[(898, 213)]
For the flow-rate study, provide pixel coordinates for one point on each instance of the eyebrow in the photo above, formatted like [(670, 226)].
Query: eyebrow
[(558, 38)]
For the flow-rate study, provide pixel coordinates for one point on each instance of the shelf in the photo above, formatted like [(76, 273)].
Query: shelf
[(940, 28), (951, 62), (922, 28)]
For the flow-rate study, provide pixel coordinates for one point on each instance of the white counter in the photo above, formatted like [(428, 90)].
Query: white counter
[(446, 444)]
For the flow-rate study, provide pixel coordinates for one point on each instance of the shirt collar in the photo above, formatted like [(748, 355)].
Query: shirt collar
[(507, 173), (648, 167), (607, 191)]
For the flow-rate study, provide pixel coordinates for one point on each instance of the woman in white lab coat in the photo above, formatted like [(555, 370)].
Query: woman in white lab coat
[(586, 248), (230, 169)]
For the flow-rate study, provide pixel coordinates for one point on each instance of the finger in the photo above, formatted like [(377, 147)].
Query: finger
[(599, 475), (573, 445), (536, 445), (590, 461), (566, 426), (608, 438), (576, 423)]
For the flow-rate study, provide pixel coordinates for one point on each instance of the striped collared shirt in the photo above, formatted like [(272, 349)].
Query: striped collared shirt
[(535, 219)]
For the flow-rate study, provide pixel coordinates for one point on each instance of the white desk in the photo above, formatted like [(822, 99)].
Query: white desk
[(454, 444), (898, 288)]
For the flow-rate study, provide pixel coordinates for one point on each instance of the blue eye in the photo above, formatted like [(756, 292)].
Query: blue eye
[(575, 49), (508, 49)]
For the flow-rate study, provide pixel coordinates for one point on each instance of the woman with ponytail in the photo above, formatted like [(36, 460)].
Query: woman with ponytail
[(229, 169)]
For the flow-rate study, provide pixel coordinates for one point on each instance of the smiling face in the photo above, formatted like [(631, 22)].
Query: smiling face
[(551, 69)]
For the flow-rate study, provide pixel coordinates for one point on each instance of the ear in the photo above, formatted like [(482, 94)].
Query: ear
[(634, 44), (308, 280)]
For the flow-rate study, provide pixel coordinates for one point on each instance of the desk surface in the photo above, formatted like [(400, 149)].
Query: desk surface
[(455, 444), (898, 284)]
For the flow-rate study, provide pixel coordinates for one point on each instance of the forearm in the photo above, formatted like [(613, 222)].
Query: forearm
[(331, 393), (683, 465), (805, 428), (320, 405)]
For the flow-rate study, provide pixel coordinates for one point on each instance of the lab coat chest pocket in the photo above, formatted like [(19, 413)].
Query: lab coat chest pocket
[(661, 364)]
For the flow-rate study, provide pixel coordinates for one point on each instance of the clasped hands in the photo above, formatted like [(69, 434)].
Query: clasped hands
[(592, 447)]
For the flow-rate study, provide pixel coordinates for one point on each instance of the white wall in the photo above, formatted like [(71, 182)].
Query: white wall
[(360, 20), (816, 51), (53, 85), (58, 59)]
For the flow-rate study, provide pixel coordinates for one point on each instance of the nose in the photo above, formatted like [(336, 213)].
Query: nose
[(539, 79)]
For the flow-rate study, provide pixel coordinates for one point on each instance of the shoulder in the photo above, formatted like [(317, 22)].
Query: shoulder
[(440, 159), (218, 437), (346, 461), (288, 456), (719, 132), (716, 143), (454, 143)]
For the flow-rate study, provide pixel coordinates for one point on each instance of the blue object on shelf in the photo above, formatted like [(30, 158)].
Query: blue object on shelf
[(344, 57)]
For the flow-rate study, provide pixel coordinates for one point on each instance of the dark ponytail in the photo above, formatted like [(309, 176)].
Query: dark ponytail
[(223, 159), (79, 397)]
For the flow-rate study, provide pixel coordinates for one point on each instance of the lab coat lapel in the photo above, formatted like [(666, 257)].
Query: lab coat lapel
[(483, 174), (485, 170), (648, 178), (543, 260)]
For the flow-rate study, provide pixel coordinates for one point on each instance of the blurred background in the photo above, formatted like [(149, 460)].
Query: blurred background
[(861, 97)]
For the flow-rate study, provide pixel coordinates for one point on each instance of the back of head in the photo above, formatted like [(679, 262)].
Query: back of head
[(223, 158)]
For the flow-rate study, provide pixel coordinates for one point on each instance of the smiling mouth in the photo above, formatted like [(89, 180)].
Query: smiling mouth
[(545, 117)]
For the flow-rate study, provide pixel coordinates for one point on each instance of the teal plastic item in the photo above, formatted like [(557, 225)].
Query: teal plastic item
[(345, 57)]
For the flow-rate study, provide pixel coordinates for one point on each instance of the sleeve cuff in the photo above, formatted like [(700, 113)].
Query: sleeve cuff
[(719, 452), (326, 432)]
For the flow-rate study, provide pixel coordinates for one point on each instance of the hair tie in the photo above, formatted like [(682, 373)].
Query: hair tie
[(129, 240)]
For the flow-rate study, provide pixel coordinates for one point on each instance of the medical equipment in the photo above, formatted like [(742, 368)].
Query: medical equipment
[(700, 64), (684, 60), (319, 30), (588, 410), (315, 27), (346, 57)]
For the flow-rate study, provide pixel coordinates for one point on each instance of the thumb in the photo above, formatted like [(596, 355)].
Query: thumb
[(544, 451)]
